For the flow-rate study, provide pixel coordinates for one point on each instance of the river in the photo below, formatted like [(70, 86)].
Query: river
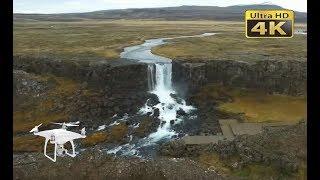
[(160, 84)]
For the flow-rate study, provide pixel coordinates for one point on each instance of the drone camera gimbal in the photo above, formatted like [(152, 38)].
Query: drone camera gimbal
[(59, 149)]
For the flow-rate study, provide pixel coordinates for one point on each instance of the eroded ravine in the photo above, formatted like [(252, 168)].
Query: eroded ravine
[(160, 84)]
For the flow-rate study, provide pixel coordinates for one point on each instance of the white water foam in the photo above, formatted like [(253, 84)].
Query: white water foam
[(102, 127), (168, 106), (160, 84)]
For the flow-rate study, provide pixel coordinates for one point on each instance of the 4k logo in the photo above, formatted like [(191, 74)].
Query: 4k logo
[(269, 23)]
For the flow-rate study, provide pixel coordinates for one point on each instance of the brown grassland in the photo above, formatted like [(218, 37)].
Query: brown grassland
[(256, 105), (235, 46), (88, 40)]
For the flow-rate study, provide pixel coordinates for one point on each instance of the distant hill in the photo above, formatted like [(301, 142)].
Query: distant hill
[(231, 13)]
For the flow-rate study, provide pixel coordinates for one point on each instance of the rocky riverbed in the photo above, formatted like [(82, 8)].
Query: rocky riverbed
[(283, 149), (105, 97)]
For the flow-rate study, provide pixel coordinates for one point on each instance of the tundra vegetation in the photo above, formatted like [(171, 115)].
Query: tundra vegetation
[(234, 46), (91, 40), (255, 105), (104, 39), (41, 99), (88, 40)]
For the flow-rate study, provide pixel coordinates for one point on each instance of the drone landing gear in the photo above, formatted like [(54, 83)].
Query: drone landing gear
[(59, 150), (73, 150), (55, 151)]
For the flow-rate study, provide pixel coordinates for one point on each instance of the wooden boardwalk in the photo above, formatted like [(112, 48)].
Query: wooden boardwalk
[(231, 128)]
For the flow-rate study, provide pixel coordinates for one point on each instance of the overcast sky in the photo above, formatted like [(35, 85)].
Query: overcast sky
[(66, 6)]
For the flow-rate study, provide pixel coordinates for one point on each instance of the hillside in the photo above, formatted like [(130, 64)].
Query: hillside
[(231, 13)]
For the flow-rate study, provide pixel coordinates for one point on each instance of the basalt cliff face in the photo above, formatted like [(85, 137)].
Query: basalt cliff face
[(284, 77), (111, 74), (115, 87)]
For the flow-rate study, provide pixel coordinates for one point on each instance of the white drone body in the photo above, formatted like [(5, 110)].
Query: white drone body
[(59, 137)]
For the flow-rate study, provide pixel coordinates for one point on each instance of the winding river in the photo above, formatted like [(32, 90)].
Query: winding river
[(160, 84)]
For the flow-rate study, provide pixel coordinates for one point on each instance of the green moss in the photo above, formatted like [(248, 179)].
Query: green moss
[(262, 107), (254, 105), (95, 138), (144, 127), (215, 93), (214, 162), (118, 132), (32, 111), (255, 171), (115, 135), (25, 121), (261, 171), (28, 143)]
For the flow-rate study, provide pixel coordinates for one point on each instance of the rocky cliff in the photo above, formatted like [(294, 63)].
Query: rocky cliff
[(110, 74), (284, 77), (91, 92)]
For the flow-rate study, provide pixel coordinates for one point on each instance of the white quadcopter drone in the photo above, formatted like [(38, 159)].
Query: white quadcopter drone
[(59, 137)]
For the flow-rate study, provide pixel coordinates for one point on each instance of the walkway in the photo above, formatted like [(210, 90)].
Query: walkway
[(231, 128)]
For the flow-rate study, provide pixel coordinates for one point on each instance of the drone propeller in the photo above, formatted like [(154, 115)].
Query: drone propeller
[(68, 124), (35, 129), (71, 124), (83, 131)]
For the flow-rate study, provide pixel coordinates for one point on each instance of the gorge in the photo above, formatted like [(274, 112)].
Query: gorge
[(159, 84)]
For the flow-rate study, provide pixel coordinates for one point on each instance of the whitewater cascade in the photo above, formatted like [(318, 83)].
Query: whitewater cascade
[(168, 105), (160, 84)]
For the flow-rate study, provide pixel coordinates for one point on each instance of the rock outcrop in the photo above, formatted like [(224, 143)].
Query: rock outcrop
[(282, 147), (274, 76), (95, 164), (101, 89), (118, 74)]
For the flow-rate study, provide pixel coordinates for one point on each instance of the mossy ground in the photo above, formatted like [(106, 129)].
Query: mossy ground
[(118, 132), (256, 105), (258, 171), (28, 143), (32, 111), (145, 126), (254, 171), (115, 134), (95, 138), (52, 106)]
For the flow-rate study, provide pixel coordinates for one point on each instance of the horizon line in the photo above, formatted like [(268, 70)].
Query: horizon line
[(150, 8)]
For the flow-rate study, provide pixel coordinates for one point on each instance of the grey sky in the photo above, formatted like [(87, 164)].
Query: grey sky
[(65, 6)]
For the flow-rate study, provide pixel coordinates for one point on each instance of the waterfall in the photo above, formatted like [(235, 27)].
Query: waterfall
[(159, 76), (163, 76), (168, 105), (151, 74)]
